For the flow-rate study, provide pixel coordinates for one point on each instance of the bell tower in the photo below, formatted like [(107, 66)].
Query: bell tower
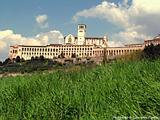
[(81, 34)]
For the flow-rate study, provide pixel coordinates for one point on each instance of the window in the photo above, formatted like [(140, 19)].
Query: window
[(81, 27), (70, 39)]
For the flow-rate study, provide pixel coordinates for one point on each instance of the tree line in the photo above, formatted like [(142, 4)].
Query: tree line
[(19, 60), (151, 52), (33, 59)]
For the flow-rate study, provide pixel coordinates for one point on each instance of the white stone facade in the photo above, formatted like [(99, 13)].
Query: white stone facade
[(155, 41), (51, 51)]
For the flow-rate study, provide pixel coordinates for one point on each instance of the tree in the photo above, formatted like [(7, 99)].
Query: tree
[(73, 55), (22, 60), (7, 61), (32, 58), (151, 52), (18, 59), (36, 58), (1, 63), (105, 56), (41, 58)]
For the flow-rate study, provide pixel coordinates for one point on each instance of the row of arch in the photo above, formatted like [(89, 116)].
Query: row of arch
[(113, 52)]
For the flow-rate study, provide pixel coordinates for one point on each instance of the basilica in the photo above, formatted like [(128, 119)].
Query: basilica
[(81, 46)]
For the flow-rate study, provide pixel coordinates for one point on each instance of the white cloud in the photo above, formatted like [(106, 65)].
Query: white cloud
[(129, 37), (106, 10), (114, 44), (147, 6), (51, 37), (8, 38), (42, 21), (125, 3), (138, 21)]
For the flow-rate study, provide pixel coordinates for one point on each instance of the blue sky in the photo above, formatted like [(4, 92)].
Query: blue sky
[(42, 22), (19, 15)]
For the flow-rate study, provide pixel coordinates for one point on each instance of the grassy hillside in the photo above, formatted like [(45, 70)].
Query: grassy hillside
[(118, 89)]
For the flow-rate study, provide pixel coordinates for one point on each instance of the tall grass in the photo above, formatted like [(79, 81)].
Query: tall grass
[(117, 89)]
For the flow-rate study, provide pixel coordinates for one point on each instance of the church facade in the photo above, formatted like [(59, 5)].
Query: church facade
[(81, 46), (81, 38)]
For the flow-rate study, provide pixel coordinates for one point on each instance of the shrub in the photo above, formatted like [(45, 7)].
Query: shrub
[(130, 57), (18, 59), (7, 61), (73, 55), (151, 52), (1, 63), (41, 58)]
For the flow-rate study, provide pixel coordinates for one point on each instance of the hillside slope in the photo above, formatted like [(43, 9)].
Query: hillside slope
[(118, 89)]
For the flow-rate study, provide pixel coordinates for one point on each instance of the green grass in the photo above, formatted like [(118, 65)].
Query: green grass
[(117, 89)]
